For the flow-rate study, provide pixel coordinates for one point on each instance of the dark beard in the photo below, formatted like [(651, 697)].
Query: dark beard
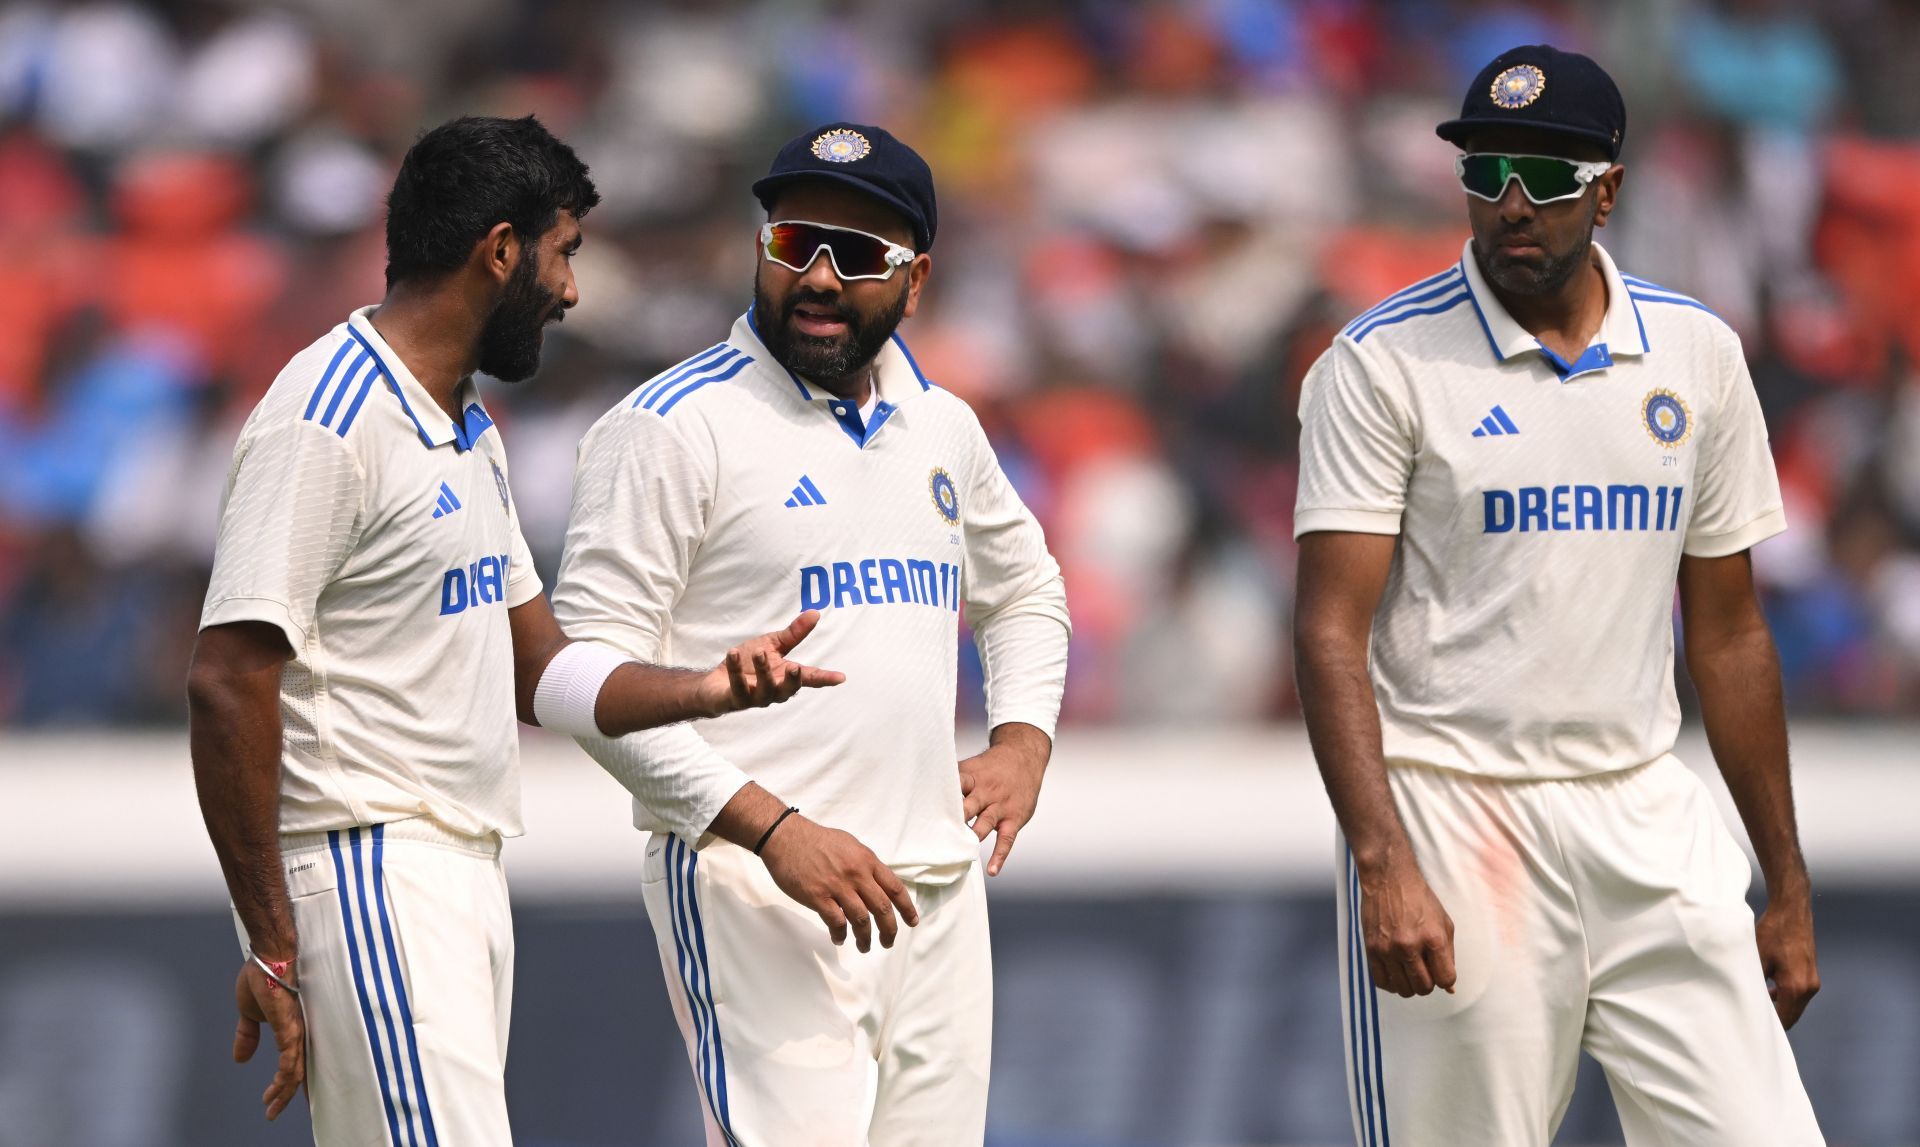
[(510, 340), (1544, 278), (825, 360)]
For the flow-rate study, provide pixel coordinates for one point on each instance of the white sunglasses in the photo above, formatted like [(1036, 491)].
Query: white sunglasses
[(1543, 178), (796, 243)]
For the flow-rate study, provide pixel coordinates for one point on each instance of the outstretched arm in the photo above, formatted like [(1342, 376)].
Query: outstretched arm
[(1734, 665), (637, 695), (1408, 934)]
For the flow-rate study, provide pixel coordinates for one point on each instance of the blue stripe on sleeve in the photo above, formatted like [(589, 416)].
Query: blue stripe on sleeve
[(313, 403), (712, 356), (1446, 304), (739, 364), (1428, 288)]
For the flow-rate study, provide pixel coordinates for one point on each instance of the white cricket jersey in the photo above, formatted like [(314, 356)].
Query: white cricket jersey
[(379, 536), (1526, 630), (723, 497)]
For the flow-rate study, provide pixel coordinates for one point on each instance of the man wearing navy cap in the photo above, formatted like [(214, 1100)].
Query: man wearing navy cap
[(805, 458), (1505, 470)]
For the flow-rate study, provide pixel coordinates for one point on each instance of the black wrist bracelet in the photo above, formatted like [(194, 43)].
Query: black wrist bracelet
[(776, 824)]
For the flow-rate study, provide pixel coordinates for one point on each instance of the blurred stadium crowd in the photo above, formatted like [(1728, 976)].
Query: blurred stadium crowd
[(1154, 217)]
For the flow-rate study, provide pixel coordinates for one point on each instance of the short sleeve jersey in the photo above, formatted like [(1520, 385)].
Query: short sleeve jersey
[(380, 537), (1542, 508)]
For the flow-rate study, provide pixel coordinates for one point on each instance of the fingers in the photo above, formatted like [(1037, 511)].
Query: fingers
[(860, 919), (1791, 997), (737, 679), (1002, 845), (794, 634), (1387, 975), (896, 891), (1440, 961), (836, 922), (807, 677), (982, 823), (882, 912)]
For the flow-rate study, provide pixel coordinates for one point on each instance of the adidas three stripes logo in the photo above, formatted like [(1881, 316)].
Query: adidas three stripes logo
[(1495, 424), (806, 494)]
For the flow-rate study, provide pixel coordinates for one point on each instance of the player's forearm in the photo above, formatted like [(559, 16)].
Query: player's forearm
[(1343, 725), (641, 696), (1741, 704), (744, 820), (234, 738)]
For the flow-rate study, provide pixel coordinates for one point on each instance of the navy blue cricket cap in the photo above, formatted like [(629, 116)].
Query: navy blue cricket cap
[(1540, 86), (863, 157)]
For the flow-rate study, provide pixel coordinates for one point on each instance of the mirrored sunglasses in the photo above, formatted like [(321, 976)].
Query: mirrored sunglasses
[(796, 243), (1543, 178)]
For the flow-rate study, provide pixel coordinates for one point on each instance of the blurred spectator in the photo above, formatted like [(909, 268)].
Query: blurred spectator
[(1155, 214)]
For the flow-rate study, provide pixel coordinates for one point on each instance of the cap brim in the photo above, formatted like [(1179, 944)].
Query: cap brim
[(1455, 131), (764, 190)]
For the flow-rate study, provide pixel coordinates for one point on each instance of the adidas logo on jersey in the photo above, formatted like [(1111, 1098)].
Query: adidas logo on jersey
[(447, 503), (806, 494), (1495, 424)]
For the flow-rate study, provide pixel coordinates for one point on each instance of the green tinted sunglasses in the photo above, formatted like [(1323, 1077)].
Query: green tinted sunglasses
[(1543, 178)]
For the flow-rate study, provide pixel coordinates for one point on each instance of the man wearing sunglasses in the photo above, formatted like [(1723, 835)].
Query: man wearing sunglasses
[(1505, 469), (805, 458)]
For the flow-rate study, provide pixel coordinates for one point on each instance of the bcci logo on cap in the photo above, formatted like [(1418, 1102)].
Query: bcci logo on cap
[(1667, 418), (1518, 86), (841, 146), (945, 498)]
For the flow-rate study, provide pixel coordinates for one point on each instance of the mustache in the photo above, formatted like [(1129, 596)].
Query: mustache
[(821, 300)]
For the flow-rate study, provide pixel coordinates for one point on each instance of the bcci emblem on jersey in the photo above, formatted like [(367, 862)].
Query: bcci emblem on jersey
[(500, 484), (1667, 418), (945, 498)]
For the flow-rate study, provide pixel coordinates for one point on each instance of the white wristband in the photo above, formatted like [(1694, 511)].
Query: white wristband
[(570, 687)]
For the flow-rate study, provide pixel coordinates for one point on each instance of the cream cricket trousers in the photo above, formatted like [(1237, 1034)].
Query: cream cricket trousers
[(406, 981), (797, 1043), (1607, 913)]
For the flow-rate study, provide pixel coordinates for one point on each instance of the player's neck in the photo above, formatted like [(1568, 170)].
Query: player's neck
[(436, 335), (1565, 320)]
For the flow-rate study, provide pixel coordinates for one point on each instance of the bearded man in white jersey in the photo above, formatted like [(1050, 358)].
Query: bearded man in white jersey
[(1505, 470), (806, 462), (372, 627)]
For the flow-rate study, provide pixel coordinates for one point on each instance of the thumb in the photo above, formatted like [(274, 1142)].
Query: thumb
[(246, 1039), (794, 634)]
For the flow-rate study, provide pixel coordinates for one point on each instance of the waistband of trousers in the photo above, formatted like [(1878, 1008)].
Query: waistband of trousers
[(418, 829)]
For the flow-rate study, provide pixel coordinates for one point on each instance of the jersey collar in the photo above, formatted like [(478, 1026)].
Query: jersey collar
[(429, 421), (1621, 331), (897, 377)]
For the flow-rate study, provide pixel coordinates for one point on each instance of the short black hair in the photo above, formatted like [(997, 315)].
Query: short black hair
[(462, 178)]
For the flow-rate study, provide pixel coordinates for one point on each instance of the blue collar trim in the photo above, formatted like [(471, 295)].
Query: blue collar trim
[(901, 343), (1595, 357), (1485, 327), (393, 386), (474, 422), (471, 426)]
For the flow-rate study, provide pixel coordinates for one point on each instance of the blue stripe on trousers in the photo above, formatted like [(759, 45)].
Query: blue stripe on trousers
[(400, 986), (689, 970), (360, 985), (713, 1010), (380, 989), (1367, 1017)]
